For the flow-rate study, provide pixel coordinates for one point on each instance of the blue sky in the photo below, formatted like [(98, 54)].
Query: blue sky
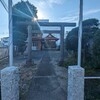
[(55, 10)]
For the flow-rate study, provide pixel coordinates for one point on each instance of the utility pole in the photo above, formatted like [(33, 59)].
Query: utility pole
[(80, 33), (10, 33)]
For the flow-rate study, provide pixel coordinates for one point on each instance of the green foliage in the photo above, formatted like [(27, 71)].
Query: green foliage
[(72, 39), (70, 61), (90, 27), (91, 23), (96, 49), (24, 7)]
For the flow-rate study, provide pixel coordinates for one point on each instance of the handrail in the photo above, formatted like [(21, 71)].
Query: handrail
[(92, 77)]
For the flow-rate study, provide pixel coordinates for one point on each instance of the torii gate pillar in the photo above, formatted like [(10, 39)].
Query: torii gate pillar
[(29, 46), (62, 25), (62, 45)]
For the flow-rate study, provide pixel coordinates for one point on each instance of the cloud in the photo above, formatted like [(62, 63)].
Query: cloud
[(75, 16), (47, 3), (69, 18), (42, 15), (92, 11), (56, 1), (44, 6), (51, 3)]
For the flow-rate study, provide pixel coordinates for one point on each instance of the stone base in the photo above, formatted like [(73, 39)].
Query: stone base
[(75, 83), (10, 83)]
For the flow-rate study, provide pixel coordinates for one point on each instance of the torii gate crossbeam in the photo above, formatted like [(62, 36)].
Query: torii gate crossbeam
[(48, 31), (54, 24), (65, 24), (52, 31)]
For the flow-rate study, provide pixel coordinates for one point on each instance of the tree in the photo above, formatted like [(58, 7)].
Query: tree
[(90, 26), (72, 40), (91, 23), (96, 49), (21, 13)]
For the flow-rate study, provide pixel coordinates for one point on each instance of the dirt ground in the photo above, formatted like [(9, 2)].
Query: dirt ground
[(27, 73)]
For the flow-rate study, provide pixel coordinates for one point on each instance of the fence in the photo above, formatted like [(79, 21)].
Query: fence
[(3, 53), (92, 77), (76, 81)]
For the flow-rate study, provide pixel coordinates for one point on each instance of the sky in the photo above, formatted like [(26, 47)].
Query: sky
[(55, 11)]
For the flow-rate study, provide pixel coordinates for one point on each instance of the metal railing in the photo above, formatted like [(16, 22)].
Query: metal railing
[(92, 77)]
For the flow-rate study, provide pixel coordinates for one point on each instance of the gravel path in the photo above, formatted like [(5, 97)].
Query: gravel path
[(45, 85)]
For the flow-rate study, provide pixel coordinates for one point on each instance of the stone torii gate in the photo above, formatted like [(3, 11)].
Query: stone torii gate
[(62, 26)]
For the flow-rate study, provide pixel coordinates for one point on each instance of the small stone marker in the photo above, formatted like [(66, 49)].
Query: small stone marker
[(10, 83)]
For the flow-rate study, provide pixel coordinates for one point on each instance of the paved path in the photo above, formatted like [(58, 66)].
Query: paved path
[(45, 85)]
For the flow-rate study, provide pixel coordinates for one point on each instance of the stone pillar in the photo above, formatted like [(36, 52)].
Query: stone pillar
[(62, 45), (29, 45), (10, 83), (75, 83)]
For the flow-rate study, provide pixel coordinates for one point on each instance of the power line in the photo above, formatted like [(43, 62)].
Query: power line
[(4, 5)]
